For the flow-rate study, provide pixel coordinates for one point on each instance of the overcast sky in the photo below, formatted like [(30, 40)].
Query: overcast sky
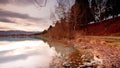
[(24, 15)]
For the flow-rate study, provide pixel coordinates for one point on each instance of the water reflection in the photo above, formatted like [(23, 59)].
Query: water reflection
[(26, 53)]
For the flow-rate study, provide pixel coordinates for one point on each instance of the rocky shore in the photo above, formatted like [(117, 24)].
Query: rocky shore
[(90, 52)]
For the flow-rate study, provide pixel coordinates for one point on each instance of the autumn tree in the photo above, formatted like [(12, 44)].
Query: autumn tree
[(63, 14)]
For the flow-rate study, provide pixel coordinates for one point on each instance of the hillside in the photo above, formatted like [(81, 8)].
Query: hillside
[(99, 44), (110, 27), (96, 41), (14, 33)]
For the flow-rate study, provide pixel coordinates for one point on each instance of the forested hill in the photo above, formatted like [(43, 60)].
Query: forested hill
[(110, 27), (78, 18)]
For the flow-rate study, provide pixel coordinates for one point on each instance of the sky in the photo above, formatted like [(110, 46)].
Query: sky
[(25, 15)]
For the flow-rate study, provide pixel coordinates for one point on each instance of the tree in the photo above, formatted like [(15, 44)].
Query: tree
[(81, 14), (63, 14), (62, 8), (102, 9), (98, 9), (40, 3), (112, 8)]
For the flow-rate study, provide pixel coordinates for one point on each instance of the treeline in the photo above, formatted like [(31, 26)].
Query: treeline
[(69, 20), (85, 11), (105, 8)]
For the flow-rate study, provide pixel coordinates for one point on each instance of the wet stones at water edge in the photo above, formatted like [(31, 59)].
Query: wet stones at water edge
[(77, 62)]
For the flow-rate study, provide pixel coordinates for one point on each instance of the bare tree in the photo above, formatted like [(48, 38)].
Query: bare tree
[(62, 8), (40, 3), (98, 8), (53, 17), (63, 14)]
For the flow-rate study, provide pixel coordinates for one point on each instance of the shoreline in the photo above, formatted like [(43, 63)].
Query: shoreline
[(106, 48)]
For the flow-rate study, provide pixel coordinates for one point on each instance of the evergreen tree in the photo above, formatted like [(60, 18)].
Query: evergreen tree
[(81, 14), (112, 8)]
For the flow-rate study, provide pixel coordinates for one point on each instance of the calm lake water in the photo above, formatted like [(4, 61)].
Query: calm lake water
[(25, 53)]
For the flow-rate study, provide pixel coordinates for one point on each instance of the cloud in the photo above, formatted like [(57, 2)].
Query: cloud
[(4, 1), (22, 2), (17, 2), (24, 14), (6, 20), (4, 13), (29, 2), (10, 19), (23, 25)]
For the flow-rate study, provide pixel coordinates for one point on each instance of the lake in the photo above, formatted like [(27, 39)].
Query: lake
[(27, 53)]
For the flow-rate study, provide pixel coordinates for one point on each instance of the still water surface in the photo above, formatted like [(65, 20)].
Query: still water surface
[(25, 53)]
